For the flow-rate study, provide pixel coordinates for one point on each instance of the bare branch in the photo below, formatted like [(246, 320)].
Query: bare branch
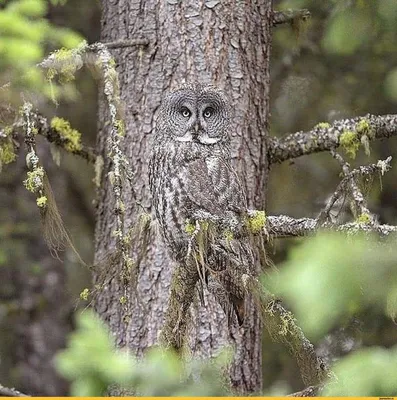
[(11, 392), (359, 205), (311, 391), (381, 167), (288, 16), (325, 138)]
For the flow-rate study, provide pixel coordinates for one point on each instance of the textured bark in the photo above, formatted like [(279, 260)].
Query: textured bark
[(226, 44)]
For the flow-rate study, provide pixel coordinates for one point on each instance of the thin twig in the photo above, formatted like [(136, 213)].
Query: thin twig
[(311, 391), (11, 392), (381, 167)]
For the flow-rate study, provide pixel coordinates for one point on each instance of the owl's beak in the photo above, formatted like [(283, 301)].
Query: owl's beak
[(196, 128)]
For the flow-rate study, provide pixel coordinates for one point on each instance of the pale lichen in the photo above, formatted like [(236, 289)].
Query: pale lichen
[(85, 294), (34, 181), (71, 136), (41, 201)]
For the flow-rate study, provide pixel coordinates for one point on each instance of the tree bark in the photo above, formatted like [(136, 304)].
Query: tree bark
[(223, 43)]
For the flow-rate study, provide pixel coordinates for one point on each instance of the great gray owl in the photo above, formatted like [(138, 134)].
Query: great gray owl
[(192, 180)]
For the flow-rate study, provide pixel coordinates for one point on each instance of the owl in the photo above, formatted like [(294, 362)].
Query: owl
[(199, 201)]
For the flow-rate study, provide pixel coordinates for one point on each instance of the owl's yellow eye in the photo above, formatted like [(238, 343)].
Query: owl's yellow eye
[(185, 112), (208, 112)]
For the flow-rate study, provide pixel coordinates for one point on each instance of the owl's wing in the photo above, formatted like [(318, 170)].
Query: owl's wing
[(213, 186)]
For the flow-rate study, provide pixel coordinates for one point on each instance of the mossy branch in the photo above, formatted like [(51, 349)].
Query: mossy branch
[(346, 133), (54, 133), (282, 328), (290, 16)]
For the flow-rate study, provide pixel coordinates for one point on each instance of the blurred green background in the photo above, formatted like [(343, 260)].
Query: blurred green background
[(340, 63)]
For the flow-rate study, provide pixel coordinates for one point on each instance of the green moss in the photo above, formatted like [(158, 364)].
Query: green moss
[(350, 142), (7, 153), (228, 235), (71, 136), (256, 222), (363, 219), (323, 125), (41, 201), (123, 300), (34, 180), (68, 69), (189, 227), (120, 126), (85, 294), (363, 127)]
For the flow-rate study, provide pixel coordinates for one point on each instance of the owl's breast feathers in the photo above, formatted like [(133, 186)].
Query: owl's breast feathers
[(187, 181)]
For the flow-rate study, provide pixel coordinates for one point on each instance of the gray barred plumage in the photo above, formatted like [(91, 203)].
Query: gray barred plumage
[(191, 179)]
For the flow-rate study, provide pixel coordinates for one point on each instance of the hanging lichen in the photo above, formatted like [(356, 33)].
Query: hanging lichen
[(54, 231)]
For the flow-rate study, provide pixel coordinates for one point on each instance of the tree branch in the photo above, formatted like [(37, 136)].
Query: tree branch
[(282, 328), (288, 16), (11, 392), (311, 391), (52, 135), (325, 138), (381, 167), (284, 226)]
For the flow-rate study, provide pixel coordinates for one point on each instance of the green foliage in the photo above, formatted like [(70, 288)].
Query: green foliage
[(330, 277), (391, 85), (347, 31), (366, 372), (91, 363), (25, 35)]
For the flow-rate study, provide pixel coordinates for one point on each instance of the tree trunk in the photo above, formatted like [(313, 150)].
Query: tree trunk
[(223, 43)]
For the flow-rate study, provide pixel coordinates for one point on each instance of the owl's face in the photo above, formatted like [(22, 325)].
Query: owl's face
[(195, 113)]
